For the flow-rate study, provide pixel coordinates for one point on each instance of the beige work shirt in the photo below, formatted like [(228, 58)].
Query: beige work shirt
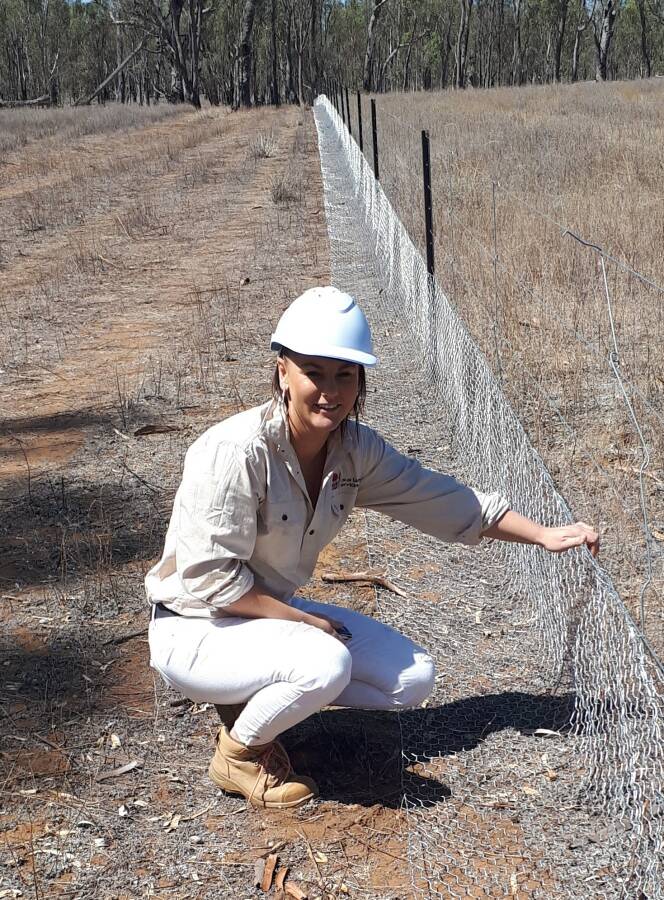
[(242, 515)]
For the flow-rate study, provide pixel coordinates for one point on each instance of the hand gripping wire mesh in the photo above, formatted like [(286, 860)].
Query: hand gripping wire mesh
[(537, 767)]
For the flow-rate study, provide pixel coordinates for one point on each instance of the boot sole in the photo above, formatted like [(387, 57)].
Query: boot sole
[(230, 787)]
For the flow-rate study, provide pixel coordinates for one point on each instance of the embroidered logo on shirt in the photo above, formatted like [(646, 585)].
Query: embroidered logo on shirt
[(338, 481)]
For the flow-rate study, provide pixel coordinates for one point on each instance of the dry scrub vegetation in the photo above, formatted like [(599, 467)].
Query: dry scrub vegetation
[(512, 170), (142, 267)]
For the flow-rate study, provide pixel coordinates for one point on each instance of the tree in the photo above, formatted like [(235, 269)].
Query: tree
[(604, 22), (466, 8), (244, 55), (367, 76)]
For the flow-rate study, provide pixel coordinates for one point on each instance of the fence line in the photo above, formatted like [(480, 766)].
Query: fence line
[(619, 690), (605, 357)]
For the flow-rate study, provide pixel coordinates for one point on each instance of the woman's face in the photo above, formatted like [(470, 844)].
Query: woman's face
[(321, 391)]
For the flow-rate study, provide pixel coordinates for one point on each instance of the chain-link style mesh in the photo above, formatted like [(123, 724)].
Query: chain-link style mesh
[(537, 768)]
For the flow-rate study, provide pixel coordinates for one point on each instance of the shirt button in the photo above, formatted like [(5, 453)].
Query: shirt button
[(312, 531), (284, 517)]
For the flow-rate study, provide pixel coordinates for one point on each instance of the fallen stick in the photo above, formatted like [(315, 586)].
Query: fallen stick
[(321, 881), (122, 770), (268, 874), (126, 637), (370, 577)]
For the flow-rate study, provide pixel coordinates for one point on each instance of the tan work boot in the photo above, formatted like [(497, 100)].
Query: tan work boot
[(261, 774), (229, 713)]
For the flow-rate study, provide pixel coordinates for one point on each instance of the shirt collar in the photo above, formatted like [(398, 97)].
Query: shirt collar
[(275, 423)]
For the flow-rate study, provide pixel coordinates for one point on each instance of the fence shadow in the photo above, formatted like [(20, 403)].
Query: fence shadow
[(356, 755)]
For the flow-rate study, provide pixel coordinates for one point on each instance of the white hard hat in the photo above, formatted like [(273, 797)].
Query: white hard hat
[(325, 321)]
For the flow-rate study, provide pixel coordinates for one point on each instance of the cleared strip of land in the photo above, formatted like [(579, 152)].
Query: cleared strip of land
[(141, 272)]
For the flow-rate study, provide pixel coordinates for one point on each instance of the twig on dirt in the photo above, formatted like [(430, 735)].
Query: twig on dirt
[(379, 849), (123, 639), (147, 484), (108, 261), (124, 227), (268, 874), (279, 879), (121, 770), (370, 577), (320, 880), (48, 743), (294, 891), (125, 437), (51, 372), (201, 812), (632, 470)]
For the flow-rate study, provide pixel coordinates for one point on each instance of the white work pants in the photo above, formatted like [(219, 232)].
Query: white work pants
[(285, 671)]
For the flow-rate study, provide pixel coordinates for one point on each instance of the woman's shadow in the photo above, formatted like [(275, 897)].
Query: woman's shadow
[(356, 755)]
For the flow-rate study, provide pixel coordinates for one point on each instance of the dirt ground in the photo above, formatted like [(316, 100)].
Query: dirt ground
[(140, 275)]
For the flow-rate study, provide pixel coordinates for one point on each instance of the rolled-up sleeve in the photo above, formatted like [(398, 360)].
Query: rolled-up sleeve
[(216, 528), (436, 504)]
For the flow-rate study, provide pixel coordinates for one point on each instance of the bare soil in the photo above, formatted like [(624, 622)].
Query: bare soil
[(140, 274)]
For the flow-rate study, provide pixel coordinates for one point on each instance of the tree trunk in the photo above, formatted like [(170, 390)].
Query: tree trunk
[(291, 93), (88, 100), (121, 86), (274, 74), (582, 24), (367, 77), (446, 49), (563, 6), (462, 43), (645, 50), (603, 40), (517, 51), (245, 54)]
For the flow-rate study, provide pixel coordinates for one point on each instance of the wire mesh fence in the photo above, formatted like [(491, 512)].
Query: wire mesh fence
[(546, 724), (570, 332)]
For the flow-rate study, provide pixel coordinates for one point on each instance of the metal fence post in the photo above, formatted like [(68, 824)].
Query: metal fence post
[(428, 203), (359, 120), (374, 135), (350, 127)]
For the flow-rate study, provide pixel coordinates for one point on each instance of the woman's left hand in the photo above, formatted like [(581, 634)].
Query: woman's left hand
[(557, 540)]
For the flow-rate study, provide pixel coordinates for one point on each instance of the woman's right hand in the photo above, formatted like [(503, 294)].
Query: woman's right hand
[(329, 626)]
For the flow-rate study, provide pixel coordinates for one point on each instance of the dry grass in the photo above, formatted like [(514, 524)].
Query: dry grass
[(263, 146), (287, 188), (512, 170), (19, 127)]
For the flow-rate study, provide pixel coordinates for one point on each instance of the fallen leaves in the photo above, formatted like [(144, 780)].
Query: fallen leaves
[(172, 823)]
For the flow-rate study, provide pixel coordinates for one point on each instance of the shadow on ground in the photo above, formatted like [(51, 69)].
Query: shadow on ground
[(62, 529), (355, 755)]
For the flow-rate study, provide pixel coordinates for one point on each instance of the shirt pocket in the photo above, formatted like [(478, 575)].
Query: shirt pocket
[(343, 502), (341, 506), (280, 531)]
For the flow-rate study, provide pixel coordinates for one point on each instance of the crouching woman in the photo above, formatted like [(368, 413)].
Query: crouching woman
[(262, 493)]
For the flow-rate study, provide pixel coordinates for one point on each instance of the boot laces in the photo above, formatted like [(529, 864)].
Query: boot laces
[(273, 761)]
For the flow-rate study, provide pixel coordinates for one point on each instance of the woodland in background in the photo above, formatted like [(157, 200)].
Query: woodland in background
[(246, 52)]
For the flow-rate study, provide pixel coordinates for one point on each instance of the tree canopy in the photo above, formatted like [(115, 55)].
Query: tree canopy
[(245, 52)]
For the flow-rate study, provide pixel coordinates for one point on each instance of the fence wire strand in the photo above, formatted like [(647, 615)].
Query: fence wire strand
[(537, 769)]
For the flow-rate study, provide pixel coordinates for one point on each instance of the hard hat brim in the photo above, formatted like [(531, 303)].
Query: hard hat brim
[(346, 354)]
